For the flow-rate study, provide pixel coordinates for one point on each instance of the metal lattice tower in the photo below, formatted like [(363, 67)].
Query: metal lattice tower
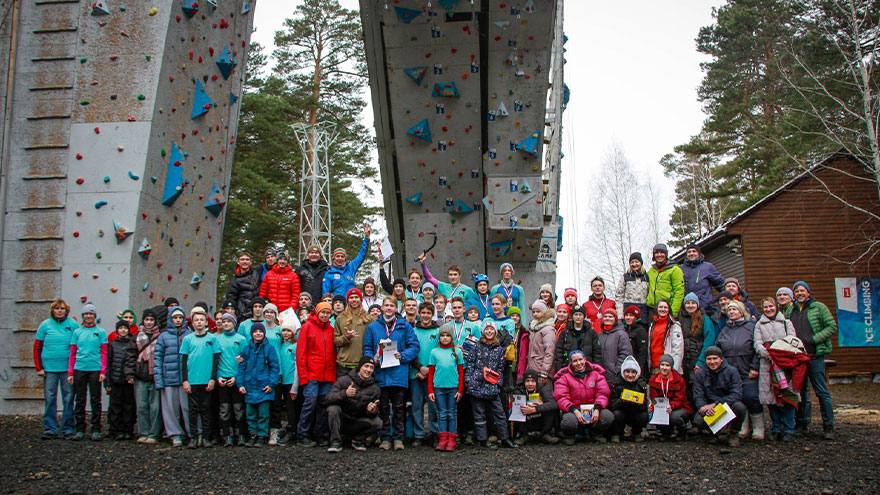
[(314, 218)]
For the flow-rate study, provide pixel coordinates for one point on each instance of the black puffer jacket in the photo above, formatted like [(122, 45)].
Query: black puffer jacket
[(367, 391), (585, 340), (121, 356), (311, 276), (638, 339), (243, 288)]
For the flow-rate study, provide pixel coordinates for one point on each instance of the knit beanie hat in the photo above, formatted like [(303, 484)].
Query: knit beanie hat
[(337, 298), (636, 256), (513, 310), (429, 285), (666, 358), (174, 311), (801, 283), (691, 297), (713, 350), (339, 250), (355, 291), (578, 309), (321, 306), (197, 310), (562, 306), (229, 317), (121, 324), (370, 280), (570, 292), (786, 290), (633, 310), (148, 313), (505, 265), (547, 287), (399, 281), (530, 373), (258, 326), (733, 280), (660, 248), (364, 360), (89, 308), (270, 307), (539, 305), (171, 301), (259, 300)]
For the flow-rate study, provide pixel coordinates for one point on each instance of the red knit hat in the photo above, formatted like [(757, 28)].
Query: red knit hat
[(355, 291), (633, 310), (570, 292)]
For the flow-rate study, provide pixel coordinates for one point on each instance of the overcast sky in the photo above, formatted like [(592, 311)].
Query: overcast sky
[(633, 71)]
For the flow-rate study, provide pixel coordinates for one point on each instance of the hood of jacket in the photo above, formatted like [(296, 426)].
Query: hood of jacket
[(546, 320), (779, 317), (277, 269), (695, 262)]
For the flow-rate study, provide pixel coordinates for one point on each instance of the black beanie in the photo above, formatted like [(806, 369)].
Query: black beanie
[(364, 360), (148, 313), (713, 350), (171, 301), (121, 323), (636, 256)]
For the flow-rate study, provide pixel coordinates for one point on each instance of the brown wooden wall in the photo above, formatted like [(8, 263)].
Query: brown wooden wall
[(805, 234)]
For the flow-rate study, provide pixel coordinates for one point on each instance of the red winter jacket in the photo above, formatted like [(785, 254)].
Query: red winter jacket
[(315, 353), (676, 390), (593, 307), (281, 287), (571, 391)]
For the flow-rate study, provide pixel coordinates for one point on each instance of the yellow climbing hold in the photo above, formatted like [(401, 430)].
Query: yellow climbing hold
[(153, 11)]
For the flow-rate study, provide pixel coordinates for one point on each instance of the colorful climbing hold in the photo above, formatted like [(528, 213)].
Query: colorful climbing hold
[(189, 7), (417, 74), (216, 200), (201, 101), (100, 8), (445, 89), (406, 15), (133, 176), (120, 232), (145, 248), (100, 203), (153, 11), (421, 130), (225, 63), (173, 176)]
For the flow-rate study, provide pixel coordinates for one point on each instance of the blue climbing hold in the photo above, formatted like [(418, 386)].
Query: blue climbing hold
[(415, 199), (133, 176), (145, 249), (106, 179), (245, 7), (201, 101), (173, 176), (417, 74), (195, 281), (100, 8), (100, 203), (225, 63), (501, 248), (445, 89), (190, 7), (421, 130), (462, 207), (216, 200), (406, 15), (448, 5), (530, 144), (233, 98)]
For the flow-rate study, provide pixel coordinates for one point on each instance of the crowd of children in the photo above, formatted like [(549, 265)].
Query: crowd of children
[(307, 356)]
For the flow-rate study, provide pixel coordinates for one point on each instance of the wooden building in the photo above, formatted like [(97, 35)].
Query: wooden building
[(802, 232)]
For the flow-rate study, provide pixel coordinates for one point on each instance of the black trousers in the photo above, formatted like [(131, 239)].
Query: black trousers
[(465, 415), (231, 410), (343, 424), (634, 418), (284, 408), (121, 413), (87, 382), (215, 412), (393, 400), (199, 410), (542, 423)]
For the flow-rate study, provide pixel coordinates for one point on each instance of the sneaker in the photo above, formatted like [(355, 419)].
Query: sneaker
[(385, 445), (69, 435), (177, 441), (334, 448), (398, 445), (259, 442), (359, 447), (96, 436), (550, 439), (79, 436), (230, 441), (193, 443), (119, 437), (308, 443), (568, 441), (521, 440), (828, 434), (417, 442), (733, 440), (141, 439), (48, 435), (150, 441), (787, 437)]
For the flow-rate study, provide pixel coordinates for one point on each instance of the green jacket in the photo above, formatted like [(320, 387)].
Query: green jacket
[(666, 283), (821, 321)]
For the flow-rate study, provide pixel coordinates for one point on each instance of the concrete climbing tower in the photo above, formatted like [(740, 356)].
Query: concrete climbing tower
[(119, 127), (467, 95)]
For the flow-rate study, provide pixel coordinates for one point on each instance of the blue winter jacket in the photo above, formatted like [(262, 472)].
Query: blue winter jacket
[(167, 361), (715, 387), (259, 368), (407, 346), (700, 277), (338, 281)]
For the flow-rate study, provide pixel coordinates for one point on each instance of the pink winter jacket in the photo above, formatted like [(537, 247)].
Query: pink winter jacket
[(571, 391)]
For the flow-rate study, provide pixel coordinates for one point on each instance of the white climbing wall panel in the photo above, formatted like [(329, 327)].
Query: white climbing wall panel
[(100, 204)]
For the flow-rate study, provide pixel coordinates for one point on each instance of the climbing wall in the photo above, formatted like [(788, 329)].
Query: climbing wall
[(116, 162), (460, 91)]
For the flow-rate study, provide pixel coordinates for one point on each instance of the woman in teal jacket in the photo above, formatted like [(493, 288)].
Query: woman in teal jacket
[(51, 353), (700, 332)]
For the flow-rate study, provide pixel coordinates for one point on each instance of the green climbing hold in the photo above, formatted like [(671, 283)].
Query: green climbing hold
[(98, 255), (162, 152), (84, 102), (82, 60), (148, 57), (141, 97)]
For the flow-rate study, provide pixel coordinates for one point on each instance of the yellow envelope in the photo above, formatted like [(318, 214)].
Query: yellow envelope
[(718, 413), (632, 396)]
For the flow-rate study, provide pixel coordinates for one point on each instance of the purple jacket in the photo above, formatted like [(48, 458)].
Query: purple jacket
[(700, 277)]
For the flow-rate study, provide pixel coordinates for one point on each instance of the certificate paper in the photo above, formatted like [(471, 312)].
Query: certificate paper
[(515, 411), (660, 415), (389, 360)]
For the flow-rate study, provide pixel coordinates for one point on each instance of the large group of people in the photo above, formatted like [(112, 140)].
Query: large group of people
[(312, 356)]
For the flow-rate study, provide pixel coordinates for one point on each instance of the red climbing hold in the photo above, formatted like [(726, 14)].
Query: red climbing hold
[(80, 181), (79, 156), (76, 233), (97, 130)]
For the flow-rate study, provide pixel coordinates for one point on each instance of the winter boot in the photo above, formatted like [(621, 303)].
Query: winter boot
[(757, 426), (733, 440), (443, 438), (744, 429), (451, 441), (273, 436)]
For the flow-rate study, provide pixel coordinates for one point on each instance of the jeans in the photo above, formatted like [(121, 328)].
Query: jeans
[(357, 427), (84, 381), (738, 408), (486, 410), (258, 419), (51, 383), (199, 410), (782, 418), (121, 412), (446, 409), (393, 400), (314, 410), (816, 375), (419, 398), (149, 412)]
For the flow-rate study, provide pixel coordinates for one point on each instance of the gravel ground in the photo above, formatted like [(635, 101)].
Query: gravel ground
[(809, 465)]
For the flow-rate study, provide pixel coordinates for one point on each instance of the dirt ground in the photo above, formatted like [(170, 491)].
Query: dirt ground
[(808, 465)]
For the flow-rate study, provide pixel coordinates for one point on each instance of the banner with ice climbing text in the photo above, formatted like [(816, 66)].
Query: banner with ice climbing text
[(858, 311)]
